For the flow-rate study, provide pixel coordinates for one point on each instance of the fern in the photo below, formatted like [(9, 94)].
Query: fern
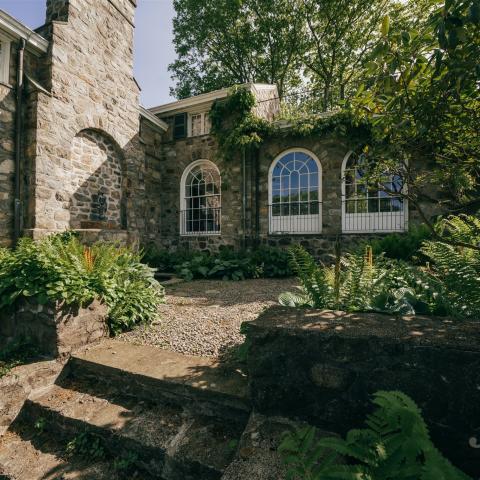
[(358, 282), (458, 268), (395, 446)]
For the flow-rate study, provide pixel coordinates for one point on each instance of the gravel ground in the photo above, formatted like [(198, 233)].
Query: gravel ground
[(204, 317)]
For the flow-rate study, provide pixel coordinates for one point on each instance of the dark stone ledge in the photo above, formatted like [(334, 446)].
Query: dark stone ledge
[(323, 367)]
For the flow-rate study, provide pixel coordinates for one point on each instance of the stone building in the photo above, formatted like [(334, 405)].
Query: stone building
[(77, 151), (71, 155)]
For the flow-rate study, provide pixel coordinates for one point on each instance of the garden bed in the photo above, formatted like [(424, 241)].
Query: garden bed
[(203, 317)]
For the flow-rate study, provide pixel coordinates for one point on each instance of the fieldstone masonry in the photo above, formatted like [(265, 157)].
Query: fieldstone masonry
[(57, 329), (96, 182)]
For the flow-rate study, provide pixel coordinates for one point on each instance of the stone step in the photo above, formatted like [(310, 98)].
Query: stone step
[(26, 454), (152, 374), (167, 441)]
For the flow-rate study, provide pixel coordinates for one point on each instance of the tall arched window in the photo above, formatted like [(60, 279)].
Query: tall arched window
[(295, 180), (367, 205), (200, 199)]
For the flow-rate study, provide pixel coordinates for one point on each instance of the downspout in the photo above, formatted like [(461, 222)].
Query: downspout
[(244, 200), (257, 196), (18, 142)]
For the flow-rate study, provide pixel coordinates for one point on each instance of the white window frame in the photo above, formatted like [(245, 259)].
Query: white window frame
[(297, 224), (204, 124), (371, 222), (183, 200), (5, 60)]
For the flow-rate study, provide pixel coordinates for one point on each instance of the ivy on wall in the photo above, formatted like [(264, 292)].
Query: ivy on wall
[(237, 128)]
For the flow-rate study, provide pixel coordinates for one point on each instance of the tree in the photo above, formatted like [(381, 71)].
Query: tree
[(340, 34), (220, 43), (422, 95)]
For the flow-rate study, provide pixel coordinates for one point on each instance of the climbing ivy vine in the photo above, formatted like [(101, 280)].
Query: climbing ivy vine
[(237, 128)]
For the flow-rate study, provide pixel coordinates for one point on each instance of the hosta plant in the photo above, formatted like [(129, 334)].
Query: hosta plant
[(60, 268)]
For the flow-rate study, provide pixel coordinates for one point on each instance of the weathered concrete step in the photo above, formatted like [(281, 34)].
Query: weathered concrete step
[(29, 455), (150, 373), (168, 442)]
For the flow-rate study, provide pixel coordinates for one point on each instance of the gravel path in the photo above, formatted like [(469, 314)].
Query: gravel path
[(204, 317)]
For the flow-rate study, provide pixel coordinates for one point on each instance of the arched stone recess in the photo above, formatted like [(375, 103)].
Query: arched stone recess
[(98, 182)]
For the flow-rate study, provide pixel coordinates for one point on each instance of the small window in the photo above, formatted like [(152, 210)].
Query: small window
[(295, 181), (369, 206), (199, 124), (4, 60), (200, 199)]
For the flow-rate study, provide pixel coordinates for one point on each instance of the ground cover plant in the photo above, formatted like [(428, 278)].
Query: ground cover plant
[(60, 268), (448, 284), (395, 445), (228, 264)]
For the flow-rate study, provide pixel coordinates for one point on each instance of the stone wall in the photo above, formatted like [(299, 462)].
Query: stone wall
[(56, 329), (22, 382), (330, 151), (96, 182), (323, 367), (90, 71), (174, 158)]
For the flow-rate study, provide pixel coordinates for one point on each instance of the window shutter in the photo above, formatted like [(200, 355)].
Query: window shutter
[(180, 126)]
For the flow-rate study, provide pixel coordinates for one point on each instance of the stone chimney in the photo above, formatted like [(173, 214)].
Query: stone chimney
[(57, 10)]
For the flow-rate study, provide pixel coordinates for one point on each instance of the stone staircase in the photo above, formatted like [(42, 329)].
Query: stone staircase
[(155, 413)]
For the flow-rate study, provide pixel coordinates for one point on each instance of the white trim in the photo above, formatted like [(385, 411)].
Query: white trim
[(152, 118), (183, 204), (5, 60), (203, 98), (13, 27), (306, 218), (374, 222)]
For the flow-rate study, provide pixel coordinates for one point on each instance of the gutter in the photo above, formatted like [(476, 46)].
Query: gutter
[(18, 142)]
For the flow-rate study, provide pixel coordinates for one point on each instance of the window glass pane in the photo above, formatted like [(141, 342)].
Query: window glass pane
[(385, 204), (196, 124)]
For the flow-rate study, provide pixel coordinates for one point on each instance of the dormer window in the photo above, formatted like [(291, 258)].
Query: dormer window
[(198, 124), (4, 60)]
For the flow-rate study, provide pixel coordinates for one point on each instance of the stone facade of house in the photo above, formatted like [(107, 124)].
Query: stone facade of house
[(83, 165), (91, 159)]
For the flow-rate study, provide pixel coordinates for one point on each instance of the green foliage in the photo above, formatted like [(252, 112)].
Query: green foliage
[(125, 462), (234, 124), (87, 444), (362, 283), (457, 267), (228, 264), (402, 246), (16, 353), (395, 446), (220, 43), (60, 268), (421, 93)]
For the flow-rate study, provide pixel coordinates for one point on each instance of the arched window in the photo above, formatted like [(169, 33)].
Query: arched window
[(295, 180), (200, 199), (367, 205)]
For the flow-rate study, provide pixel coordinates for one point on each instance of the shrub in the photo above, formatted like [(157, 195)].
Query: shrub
[(60, 268), (228, 264), (395, 445), (360, 282), (403, 246), (458, 268)]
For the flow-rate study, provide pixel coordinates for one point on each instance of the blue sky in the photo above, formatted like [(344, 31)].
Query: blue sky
[(153, 42)]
